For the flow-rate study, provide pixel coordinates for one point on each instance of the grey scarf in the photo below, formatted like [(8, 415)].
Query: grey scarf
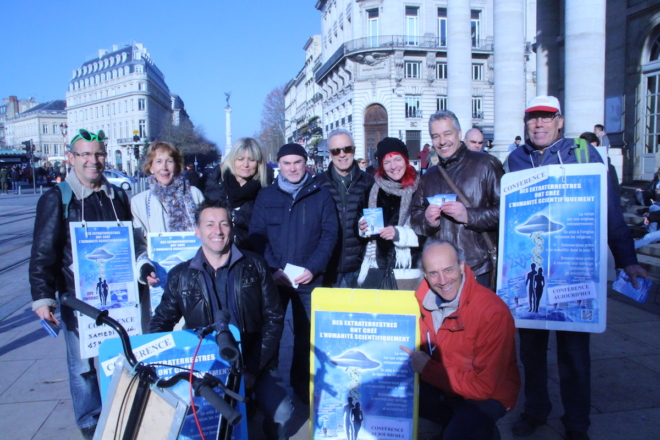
[(291, 188)]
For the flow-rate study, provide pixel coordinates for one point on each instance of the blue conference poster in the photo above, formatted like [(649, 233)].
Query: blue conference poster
[(553, 247), (166, 250), (363, 383), (104, 272), (173, 352)]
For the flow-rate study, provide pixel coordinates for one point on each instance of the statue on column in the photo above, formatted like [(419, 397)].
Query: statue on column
[(228, 95)]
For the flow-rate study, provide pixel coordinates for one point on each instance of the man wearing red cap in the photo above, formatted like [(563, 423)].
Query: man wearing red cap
[(546, 145)]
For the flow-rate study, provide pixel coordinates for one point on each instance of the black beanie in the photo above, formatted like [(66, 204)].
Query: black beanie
[(287, 149), (390, 145)]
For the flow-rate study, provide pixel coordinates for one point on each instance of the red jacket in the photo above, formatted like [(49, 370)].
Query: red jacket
[(475, 350)]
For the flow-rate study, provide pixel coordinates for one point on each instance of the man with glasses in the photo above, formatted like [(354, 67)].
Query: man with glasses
[(51, 259), (350, 190), (546, 145)]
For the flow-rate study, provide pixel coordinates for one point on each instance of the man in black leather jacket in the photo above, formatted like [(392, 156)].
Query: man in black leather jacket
[(223, 278), (478, 177), (51, 259)]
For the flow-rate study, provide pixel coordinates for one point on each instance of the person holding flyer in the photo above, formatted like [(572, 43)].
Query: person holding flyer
[(167, 206), (91, 198), (395, 247), (546, 145)]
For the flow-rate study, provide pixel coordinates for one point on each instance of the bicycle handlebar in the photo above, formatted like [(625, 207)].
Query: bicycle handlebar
[(220, 405)]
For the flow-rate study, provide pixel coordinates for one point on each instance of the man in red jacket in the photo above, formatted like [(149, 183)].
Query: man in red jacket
[(468, 368)]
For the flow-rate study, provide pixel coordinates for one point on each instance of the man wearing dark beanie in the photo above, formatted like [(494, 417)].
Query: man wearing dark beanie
[(294, 223)]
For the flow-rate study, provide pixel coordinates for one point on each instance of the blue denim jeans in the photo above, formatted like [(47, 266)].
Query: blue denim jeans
[(461, 419), (653, 235), (574, 362), (343, 280), (83, 382), (301, 309), (273, 399)]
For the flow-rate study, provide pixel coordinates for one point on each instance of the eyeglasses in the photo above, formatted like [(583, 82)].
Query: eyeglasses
[(533, 119), (87, 155), (348, 150), (88, 136)]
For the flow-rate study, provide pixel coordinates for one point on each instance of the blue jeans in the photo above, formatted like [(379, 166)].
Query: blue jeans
[(574, 362), (301, 309), (653, 235), (83, 382), (462, 419), (342, 280), (273, 399)]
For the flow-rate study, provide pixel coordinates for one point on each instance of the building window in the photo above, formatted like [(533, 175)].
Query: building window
[(56, 150), (441, 71), (142, 104), (477, 108), (55, 129), (475, 23), (412, 26), (442, 26), (141, 86), (46, 149), (477, 72), (652, 113), (350, 118), (441, 103), (372, 27), (142, 128), (343, 121), (413, 69), (139, 68), (44, 129), (413, 106), (413, 142)]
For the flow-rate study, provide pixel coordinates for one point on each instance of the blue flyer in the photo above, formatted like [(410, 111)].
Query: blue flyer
[(363, 383), (104, 272), (166, 250), (553, 247), (172, 350)]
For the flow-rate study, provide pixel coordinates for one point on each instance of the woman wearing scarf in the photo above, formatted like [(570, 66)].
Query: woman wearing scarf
[(244, 172), (395, 183), (168, 205)]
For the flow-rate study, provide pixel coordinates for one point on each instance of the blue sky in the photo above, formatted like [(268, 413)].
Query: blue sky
[(204, 48)]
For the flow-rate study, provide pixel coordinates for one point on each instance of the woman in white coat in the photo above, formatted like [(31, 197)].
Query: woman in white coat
[(168, 205)]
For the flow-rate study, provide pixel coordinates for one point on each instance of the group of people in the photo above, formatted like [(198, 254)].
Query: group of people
[(255, 227)]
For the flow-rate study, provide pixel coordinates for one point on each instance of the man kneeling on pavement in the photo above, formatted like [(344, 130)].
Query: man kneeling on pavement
[(468, 368), (219, 278)]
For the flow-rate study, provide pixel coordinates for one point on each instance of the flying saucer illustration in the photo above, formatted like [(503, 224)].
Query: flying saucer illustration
[(356, 359), (539, 223), (100, 254), (171, 261)]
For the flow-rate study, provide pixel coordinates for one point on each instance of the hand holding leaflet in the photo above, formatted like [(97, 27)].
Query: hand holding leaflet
[(292, 271)]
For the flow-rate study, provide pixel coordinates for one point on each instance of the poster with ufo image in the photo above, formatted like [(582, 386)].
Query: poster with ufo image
[(166, 250), (363, 385), (553, 247), (104, 273)]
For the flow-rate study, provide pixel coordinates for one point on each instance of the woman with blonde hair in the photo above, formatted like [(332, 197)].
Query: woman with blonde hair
[(168, 205), (242, 175)]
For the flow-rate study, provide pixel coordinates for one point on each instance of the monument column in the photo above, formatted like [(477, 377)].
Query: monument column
[(509, 71), (228, 129), (547, 50), (459, 62), (584, 92)]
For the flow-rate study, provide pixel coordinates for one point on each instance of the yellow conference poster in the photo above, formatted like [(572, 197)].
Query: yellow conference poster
[(362, 382)]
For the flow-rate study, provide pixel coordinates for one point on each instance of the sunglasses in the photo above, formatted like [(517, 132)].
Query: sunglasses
[(88, 136), (347, 150)]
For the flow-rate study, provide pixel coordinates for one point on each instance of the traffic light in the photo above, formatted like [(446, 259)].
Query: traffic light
[(28, 148), (136, 151)]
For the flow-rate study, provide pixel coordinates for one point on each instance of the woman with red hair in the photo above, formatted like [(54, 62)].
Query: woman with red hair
[(396, 245)]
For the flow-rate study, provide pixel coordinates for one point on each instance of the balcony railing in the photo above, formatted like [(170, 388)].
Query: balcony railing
[(413, 112), (392, 42)]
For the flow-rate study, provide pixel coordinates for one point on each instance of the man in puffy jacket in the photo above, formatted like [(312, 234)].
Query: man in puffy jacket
[(470, 377), (222, 282), (349, 187), (294, 223), (546, 145), (51, 259)]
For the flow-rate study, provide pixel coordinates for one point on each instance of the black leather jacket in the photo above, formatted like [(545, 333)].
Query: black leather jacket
[(478, 176), (257, 311), (51, 248)]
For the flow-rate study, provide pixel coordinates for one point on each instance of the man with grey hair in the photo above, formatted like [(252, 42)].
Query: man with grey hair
[(350, 190), (469, 378), (463, 221), (474, 139)]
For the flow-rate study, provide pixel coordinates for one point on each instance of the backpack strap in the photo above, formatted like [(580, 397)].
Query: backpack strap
[(581, 150), (67, 195)]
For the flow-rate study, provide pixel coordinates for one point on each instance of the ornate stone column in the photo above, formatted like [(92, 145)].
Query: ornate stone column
[(459, 62)]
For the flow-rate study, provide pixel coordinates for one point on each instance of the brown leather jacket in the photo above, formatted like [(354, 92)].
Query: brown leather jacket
[(477, 175)]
